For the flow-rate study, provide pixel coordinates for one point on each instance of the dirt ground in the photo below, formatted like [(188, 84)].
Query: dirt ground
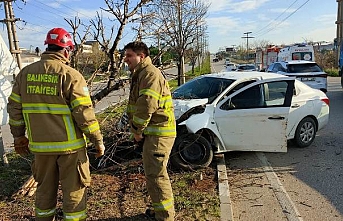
[(119, 193)]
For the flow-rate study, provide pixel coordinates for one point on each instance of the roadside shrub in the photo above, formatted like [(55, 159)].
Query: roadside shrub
[(332, 72)]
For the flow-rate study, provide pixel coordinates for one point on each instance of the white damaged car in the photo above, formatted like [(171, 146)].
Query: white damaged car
[(244, 111)]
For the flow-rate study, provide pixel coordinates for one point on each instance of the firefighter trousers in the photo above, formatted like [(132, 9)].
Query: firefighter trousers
[(156, 151), (72, 171)]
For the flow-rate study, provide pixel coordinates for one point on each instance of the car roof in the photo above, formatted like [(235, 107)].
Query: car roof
[(234, 75), (299, 62), (246, 64)]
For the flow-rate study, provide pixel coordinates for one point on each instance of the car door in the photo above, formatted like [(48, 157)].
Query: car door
[(255, 117)]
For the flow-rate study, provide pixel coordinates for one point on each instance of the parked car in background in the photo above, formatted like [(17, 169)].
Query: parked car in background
[(227, 61), (215, 60), (246, 67), (230, 67), (308, 72), (243, 111)]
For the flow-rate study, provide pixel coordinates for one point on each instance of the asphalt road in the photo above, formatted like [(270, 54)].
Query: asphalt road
[(302, 184)]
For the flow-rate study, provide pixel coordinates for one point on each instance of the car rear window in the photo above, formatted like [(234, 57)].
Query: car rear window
[(246, 67), (303, 68)]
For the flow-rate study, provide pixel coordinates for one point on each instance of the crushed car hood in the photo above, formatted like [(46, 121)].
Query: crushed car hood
[(181, 106)]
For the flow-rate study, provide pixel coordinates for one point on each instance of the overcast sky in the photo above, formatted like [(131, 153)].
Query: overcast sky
[(276, 21)]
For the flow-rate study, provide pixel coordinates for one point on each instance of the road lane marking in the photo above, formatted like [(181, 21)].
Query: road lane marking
[(287, 205)]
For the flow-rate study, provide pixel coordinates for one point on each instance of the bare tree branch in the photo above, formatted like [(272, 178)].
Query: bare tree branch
[(123, 14), (75, 25), (180, 20)]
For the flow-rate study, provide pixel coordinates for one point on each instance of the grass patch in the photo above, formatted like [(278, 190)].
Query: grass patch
[(13, 176), (196, 195), (112, 113)]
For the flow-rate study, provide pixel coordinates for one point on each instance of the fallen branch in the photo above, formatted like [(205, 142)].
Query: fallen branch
[(28, 188)]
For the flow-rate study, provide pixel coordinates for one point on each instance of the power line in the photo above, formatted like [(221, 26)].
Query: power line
[(78, 13), (60, 13), (29, 15), (270, 29), (25, 23), (21, 28), (55, 9), (46, 19), (73, 9), (270, 23)]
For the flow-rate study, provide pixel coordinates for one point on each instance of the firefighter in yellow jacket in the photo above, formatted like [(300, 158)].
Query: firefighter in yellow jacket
[(151, 117), (50, 105)]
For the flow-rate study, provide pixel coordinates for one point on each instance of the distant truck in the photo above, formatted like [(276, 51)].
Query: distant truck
[(265, 57), (296, 52)]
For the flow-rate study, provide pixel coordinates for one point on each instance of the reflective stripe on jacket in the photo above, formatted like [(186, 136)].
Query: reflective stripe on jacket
[(150, 106), (51, 103)]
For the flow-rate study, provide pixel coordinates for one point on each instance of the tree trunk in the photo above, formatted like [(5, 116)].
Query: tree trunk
[(182, 70)]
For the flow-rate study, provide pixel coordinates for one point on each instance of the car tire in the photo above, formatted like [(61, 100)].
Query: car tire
[(305, 132), (190, 152)]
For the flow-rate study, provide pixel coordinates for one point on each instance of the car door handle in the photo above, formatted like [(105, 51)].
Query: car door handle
[(276, 118), (295, 106)]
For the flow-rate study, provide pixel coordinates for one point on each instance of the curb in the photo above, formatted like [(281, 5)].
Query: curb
[(224, 191)]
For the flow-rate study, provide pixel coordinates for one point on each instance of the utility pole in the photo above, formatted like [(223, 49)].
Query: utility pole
[(247, 37), (339, 33), (11, 32), (181, 70), (233, 51)]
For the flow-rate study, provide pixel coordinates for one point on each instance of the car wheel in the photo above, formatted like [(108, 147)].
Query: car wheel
[(191, 151), (305, 133)]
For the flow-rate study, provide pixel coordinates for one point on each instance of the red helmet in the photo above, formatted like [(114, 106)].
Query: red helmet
[(60, 37)]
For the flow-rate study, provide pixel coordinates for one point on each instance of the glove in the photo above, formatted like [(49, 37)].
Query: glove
[(21, 145), (100, 150)]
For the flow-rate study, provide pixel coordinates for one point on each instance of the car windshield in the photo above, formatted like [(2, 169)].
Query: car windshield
[(303, 68), (204, 87)]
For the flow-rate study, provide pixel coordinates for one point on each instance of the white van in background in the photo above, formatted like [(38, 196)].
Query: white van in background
[(296, 52)]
